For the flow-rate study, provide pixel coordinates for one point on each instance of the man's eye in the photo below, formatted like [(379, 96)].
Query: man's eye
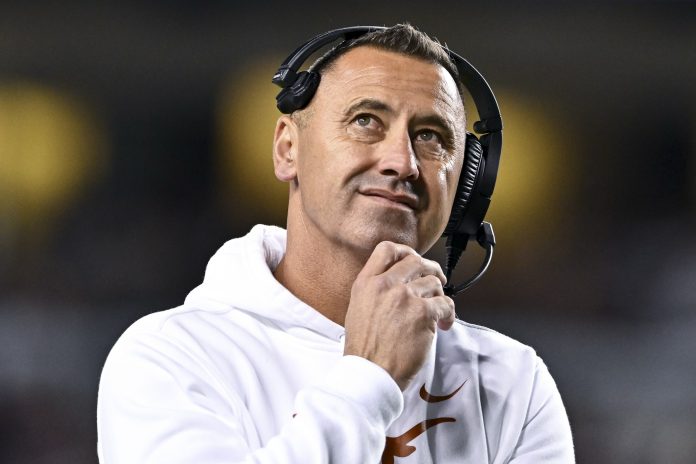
[(363, 120), (427, 136)]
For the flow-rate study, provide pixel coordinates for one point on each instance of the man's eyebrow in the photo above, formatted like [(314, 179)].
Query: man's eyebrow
[(368, 104), (438, 121)]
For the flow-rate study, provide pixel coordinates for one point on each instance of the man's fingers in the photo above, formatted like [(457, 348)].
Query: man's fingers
[(402, 263), (445, 311), (413, 267), (427, 286), (384, 256)]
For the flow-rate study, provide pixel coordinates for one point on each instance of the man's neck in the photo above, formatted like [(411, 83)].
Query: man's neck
[(319, 273)]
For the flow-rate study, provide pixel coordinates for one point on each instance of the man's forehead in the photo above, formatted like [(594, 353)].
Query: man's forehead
[(368, 67)]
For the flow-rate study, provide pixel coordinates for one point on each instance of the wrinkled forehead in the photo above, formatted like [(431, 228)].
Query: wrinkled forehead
[(371, 69)]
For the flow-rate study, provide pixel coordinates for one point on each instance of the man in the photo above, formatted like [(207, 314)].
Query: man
[(335, 343)]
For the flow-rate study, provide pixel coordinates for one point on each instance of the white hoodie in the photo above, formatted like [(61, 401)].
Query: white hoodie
[(244, 372)]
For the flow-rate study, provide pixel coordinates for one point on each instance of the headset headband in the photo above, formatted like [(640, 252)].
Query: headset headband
[(485, 101)]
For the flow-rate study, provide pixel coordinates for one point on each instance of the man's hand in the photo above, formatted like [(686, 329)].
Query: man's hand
[(396, 304)]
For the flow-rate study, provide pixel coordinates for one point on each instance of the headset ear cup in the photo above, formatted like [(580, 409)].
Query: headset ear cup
[(473, 154), (298, 95)]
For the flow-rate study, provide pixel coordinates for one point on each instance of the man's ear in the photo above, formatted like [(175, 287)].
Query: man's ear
[(285, 144)]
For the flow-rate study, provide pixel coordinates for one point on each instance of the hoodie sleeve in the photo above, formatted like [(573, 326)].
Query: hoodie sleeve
[(546, 436), (158, 405)]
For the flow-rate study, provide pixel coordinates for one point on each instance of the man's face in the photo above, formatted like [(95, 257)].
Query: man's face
[(379, 153)]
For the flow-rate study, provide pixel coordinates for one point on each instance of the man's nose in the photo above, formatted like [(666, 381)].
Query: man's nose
[(398, 158)]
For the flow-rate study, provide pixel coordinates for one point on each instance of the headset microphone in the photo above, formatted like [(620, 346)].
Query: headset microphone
[(481, 156), (455, 246)]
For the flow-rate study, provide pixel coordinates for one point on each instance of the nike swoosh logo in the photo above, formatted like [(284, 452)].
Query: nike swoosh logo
[(399, 447), (426, 396)]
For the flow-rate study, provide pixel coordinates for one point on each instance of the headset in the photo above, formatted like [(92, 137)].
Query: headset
[(481, 156)]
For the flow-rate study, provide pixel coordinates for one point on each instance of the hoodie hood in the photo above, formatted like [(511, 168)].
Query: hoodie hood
[(240, 276)]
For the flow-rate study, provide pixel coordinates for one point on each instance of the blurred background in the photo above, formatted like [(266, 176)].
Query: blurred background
[(135, 138)]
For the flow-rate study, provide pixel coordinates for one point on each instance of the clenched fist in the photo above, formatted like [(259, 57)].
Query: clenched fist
[(396, 304)]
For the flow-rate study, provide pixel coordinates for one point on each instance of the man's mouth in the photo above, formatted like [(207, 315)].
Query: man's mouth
[(389, 198)]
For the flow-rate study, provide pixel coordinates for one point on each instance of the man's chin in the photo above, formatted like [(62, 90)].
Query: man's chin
[(366, 241), (363, 232)]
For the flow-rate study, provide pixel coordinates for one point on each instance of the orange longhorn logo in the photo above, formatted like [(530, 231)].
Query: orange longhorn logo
[(398, 446)]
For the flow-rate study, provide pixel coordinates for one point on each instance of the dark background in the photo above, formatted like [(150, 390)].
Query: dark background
[(135, 138)]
